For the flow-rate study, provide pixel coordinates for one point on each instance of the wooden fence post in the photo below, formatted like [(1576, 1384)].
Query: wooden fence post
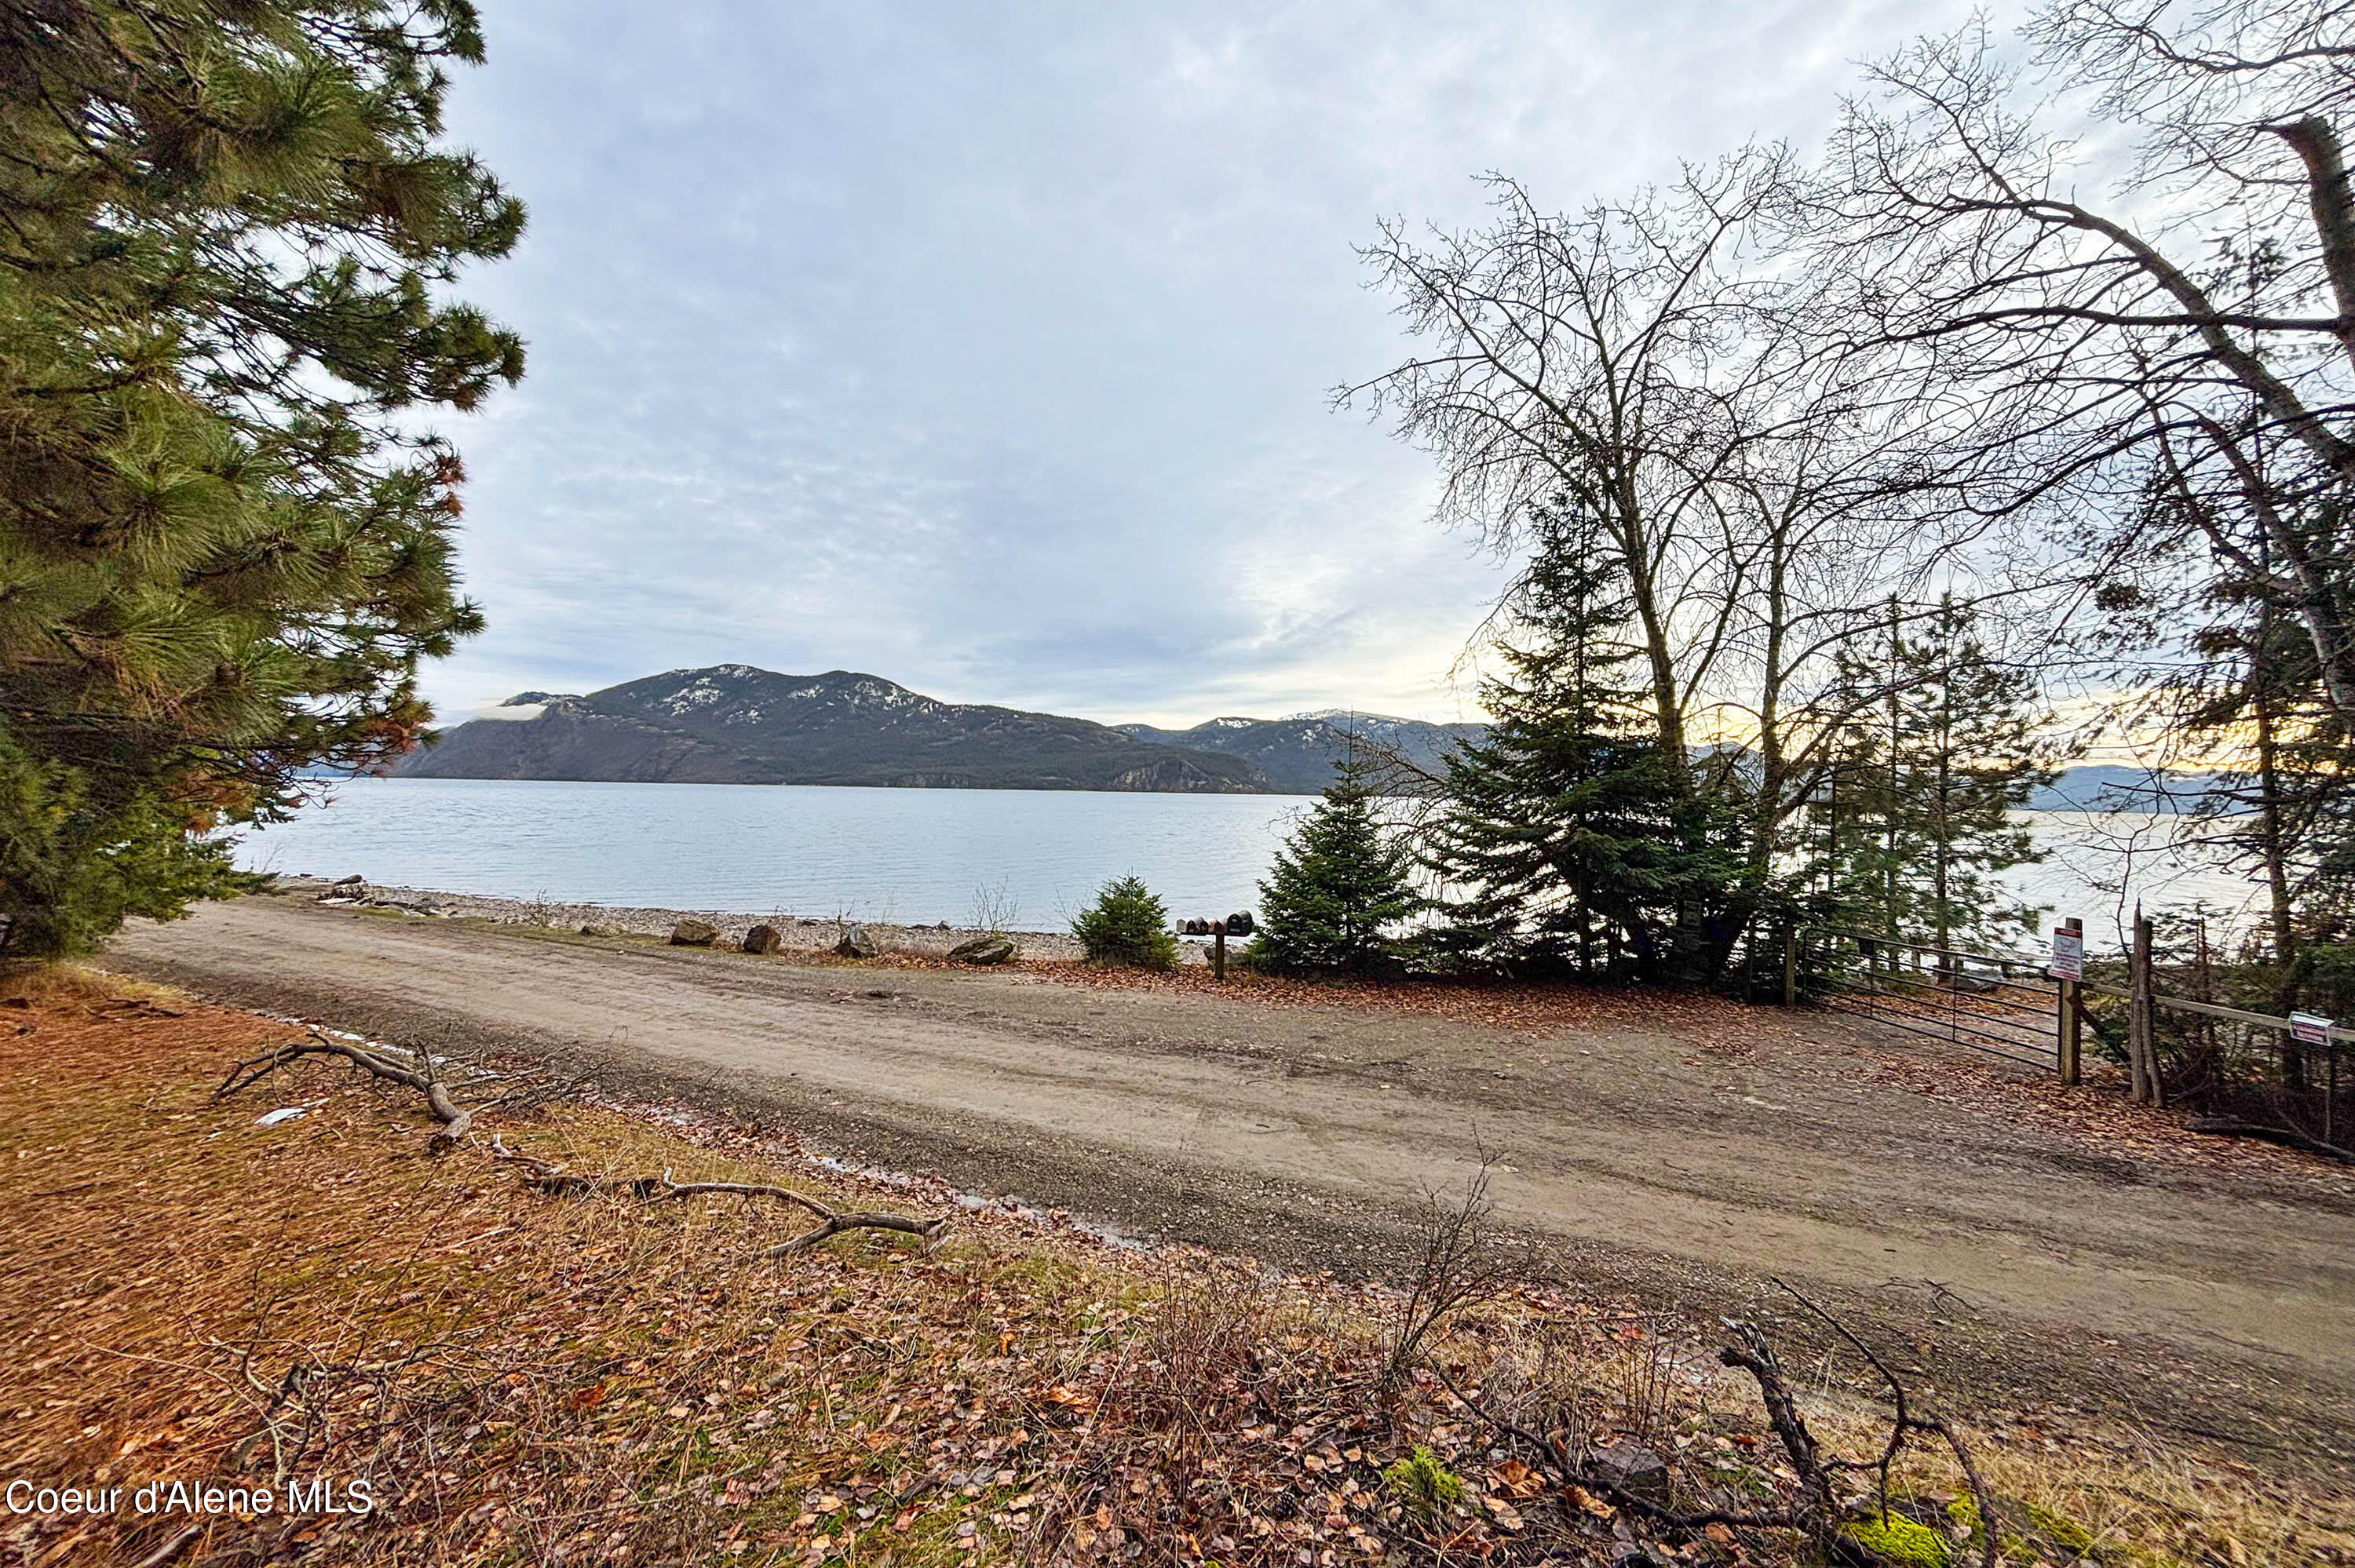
[(2141, 1046), (1790, 966), (2068, 1028), (1218, 949)]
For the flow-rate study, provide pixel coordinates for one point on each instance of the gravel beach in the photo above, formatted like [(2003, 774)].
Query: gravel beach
[(807, 934)]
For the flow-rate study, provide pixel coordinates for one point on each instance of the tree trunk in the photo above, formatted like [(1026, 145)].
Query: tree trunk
[(2271, 846), (2142, 1030), (2317, 145)]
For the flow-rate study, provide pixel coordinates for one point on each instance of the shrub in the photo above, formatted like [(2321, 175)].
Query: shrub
[(1126, 925)]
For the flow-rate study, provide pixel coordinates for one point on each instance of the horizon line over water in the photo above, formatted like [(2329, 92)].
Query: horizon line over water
[(920, 856), (888, 855)]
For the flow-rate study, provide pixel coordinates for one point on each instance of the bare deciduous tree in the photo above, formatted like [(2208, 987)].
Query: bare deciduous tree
[(2154, 264)]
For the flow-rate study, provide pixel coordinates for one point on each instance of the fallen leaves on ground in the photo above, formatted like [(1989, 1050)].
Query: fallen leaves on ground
[(588, 1380)]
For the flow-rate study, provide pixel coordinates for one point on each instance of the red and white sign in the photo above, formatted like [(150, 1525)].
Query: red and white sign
[(2309, 1029), (2068, 955)]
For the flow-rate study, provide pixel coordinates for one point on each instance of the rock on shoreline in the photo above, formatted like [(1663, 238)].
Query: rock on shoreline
[(801, 934)]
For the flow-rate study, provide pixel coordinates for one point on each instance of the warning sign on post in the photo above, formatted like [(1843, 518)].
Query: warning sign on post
[(2309, 1029), (2068, 955)]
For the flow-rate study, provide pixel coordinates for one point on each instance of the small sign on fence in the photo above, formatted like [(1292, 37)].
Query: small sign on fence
[(2309, 1029), (2068, 955)]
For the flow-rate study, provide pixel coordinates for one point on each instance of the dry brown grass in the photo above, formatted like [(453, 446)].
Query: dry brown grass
[(527, 1380)]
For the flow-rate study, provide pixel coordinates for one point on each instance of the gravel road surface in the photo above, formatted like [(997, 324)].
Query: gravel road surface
[(2008, 1264)]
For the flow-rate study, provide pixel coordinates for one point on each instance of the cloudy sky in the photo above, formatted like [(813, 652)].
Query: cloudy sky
[(987, 348)]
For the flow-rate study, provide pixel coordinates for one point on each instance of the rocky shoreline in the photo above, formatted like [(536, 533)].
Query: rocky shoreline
[(797, 934)]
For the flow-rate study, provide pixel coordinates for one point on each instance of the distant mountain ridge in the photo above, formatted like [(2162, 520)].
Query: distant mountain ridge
[(734, 724), (1297, 753), (2117, 786)]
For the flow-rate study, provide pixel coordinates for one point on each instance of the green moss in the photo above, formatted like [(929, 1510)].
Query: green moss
[(1898, 1540), (2061, 1530), (1427, 1485)]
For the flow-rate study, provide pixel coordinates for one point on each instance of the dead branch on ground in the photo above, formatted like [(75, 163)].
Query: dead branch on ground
[(548, 1177), (1814, 1509), (831, 1222), (454, 1122), (2229, 1127), (1902, 1425)]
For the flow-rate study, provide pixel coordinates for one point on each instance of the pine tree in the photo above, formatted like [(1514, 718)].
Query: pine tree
[(1337, 887), (2281, 805), (225, 544), (1931, 783), (1572, 838)]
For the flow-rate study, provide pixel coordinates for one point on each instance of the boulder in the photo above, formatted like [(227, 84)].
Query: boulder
[(694, 934), (1634, 1469), (1239, 924), (601, 932), (985, 950), (857, 943), (763, 939)]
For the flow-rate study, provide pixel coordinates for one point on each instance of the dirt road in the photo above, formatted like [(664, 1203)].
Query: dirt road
[(2015, 1262)]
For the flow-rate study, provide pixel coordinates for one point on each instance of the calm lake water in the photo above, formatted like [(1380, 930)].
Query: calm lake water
[(903, 856), (920, 855)]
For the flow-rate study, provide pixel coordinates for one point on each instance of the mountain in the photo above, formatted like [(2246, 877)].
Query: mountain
[(2112, 787), (732, 724), (1297, 752)]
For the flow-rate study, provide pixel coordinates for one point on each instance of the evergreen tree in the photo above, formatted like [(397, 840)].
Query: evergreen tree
[(1572, 838), (1127, 924), (1337, 887), (2280, 805), (1930, 785), (225, 543)]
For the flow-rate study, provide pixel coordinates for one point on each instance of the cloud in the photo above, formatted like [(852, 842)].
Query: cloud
[(987, 348)]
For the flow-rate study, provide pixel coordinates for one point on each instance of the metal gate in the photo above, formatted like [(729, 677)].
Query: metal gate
[(2001, 1004)]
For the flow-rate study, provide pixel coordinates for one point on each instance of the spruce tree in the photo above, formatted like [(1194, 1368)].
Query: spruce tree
[(1127, 924), (1572, 838), (224, 541), (1338, 888)]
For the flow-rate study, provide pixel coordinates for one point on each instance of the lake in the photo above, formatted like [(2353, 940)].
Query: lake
[(895, 857), (910, 856)]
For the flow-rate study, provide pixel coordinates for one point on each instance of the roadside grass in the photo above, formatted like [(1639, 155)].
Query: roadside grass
[(529, 1379)]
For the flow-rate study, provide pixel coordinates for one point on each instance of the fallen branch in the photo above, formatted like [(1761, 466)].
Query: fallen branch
[(172, 1548), (548, 1177), (2230, 1128), (1904, 1422), (1814, 1509), (453, 1120), (831, 1222), (1754, 1354)]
